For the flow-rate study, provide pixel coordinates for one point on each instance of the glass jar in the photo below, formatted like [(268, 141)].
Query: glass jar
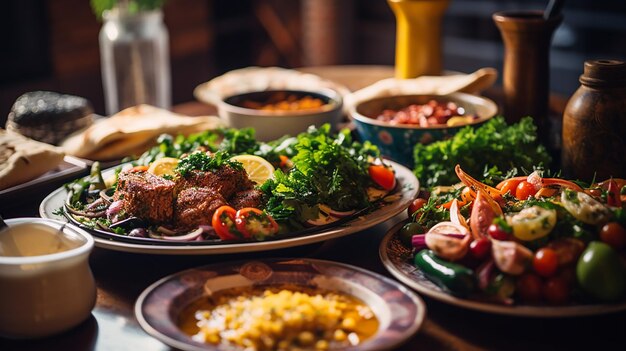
[(134, 52)]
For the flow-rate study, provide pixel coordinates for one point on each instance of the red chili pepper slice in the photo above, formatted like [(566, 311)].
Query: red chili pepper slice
[(383, 176), (252, 222), (223, 222), (613, 194)]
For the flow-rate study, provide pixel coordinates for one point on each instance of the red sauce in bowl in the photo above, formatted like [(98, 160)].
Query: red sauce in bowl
[(432, 113)]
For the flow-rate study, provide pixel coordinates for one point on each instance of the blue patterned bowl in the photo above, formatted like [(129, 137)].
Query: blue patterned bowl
[(396, 142)]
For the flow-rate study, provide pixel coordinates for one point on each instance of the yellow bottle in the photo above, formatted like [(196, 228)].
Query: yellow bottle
[(418, 36)]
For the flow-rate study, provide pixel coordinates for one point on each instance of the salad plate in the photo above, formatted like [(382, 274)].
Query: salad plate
[(394, 203), (399, 311), (397, 259)]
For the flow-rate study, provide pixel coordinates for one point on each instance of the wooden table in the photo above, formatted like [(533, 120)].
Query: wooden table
[(122, 276)]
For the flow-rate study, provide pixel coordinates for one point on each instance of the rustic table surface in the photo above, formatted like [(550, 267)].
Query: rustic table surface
[(121, 277)]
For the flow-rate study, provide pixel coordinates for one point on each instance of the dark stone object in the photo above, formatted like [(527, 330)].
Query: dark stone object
[(48, 116)]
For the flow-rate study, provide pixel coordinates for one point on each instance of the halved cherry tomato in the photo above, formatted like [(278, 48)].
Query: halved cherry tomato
[(525, 190), (251, 221), (383, 176), (223, 222)]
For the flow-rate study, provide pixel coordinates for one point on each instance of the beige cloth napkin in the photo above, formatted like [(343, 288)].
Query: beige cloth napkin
[(132, 131), (472, 83), (23, 159)]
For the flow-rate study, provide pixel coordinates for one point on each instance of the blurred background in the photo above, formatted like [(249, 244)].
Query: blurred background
[(53, 44)]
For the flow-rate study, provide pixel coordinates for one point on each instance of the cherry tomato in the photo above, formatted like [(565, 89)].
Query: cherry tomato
[(481, 248), (285, 162), (545, 262), (614, 234), (509, 185), (416, 205), (383, 176), (530, 287), (525, 190), (251, 221), (556, 291), (223, 222), (497, 232)]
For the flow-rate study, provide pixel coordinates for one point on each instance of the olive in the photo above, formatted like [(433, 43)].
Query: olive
[(408, 230)]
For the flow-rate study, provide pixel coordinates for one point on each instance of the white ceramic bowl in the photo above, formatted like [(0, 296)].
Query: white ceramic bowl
[(270, 125), (46, 292)]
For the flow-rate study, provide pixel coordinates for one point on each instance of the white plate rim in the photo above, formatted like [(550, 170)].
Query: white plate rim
[(517, 311), (408, 188)]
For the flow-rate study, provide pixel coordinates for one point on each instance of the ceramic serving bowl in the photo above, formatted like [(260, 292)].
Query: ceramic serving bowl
[(47, 285), (396, 141), (399, 311), (273, 124)]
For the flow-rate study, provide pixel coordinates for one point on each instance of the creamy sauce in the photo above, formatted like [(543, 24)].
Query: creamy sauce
[(35, 239), (279, 318)]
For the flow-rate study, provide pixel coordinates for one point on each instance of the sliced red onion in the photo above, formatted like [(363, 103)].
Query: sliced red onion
[(418, 241), (154, 235), (105, 197), (94, 205), (115, 207), (165, 231), (335, 213), (322, 219), (484, 273), (86, 214), (454, 235), (193, 235)]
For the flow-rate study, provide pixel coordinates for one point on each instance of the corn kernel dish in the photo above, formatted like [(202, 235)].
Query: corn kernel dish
[(279, 318)]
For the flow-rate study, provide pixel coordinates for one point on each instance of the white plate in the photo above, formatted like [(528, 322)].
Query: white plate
[(407, 190), (398, 260), (400, 312)]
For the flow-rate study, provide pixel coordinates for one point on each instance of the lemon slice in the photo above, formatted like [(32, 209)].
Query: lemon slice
[(163, 166), (459, 120), (258, 169)]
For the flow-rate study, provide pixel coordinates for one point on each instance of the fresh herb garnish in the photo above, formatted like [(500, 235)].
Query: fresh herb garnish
[(490, 149), (202, 161), (327, 170)]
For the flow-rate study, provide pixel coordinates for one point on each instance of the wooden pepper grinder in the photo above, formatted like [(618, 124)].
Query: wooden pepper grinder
[(527, 36), (594, 123)]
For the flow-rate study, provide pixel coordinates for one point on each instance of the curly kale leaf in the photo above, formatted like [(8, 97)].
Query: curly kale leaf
[(490, 150)]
